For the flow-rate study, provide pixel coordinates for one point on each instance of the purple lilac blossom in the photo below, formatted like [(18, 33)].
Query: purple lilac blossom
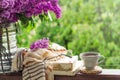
[(4, 4), (6, 14), (11, 3), (24, 1), (11, 9), (42, 43)]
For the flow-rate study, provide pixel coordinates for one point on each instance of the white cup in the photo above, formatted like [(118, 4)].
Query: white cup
[(91, 59)]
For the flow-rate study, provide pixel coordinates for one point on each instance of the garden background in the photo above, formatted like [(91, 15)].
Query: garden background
[(85, 25)]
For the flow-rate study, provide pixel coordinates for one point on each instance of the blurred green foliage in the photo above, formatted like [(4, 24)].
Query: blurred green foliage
[(85, 25)]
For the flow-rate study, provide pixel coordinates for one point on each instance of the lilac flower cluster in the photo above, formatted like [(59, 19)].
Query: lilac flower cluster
[(11, 9), (42, 43)]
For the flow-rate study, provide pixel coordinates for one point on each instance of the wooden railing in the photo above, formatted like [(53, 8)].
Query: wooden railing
[(107, 74)]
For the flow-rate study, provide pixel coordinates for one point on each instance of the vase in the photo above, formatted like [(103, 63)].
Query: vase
[(8, 47)]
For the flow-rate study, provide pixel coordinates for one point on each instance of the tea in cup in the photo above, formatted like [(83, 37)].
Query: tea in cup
[(91, 59)]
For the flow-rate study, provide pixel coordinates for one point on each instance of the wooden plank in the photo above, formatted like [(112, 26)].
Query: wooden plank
[(107, 74), (11, 76)]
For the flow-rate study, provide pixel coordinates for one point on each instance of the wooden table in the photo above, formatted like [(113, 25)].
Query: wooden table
[(11, 76), (107, 74)]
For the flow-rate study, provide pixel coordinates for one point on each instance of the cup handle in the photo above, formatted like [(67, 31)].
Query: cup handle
[(101, 59)]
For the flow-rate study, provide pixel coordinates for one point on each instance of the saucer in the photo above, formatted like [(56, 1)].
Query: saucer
[(96, 70)]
